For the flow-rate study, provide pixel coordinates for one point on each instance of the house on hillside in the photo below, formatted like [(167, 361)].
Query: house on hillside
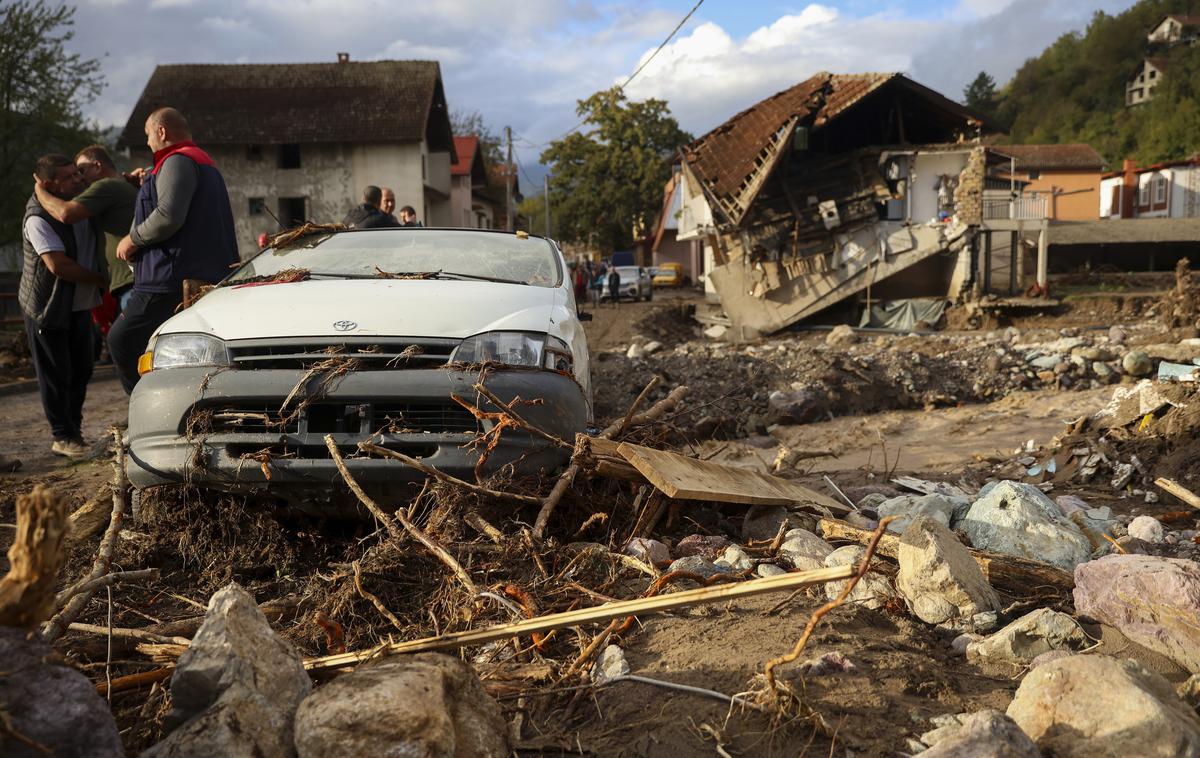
[(1067, 176), (1140, 87), (867, 185), (1163, 190), (300, 141), (1175, 29)]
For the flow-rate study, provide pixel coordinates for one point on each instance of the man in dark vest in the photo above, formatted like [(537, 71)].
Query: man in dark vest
[(369, 214), (182, 230), (62, 276)]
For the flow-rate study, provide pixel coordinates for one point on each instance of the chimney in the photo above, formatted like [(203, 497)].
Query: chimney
[(343, 57), (1128, 188)]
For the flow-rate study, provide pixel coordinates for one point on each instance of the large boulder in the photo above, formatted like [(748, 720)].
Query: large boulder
[(800, 547), (986, 734), (1028, 637), (50, 703), (425, 705), (1092, 706), (1018, 519), (872, 591), (938, 578), (908, 507), (1153, 601), (236, 688)]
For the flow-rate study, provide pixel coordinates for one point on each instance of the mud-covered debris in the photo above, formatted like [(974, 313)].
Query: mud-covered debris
[(1030, 636)]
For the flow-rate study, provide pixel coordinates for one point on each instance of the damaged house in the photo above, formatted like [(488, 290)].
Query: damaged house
[(849, 184)]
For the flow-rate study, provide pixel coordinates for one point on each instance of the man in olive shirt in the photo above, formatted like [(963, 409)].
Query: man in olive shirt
[(109, 199)]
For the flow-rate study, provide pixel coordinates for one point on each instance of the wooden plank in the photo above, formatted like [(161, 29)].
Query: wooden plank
[(636, 607), (683, 478), (1179, 491)]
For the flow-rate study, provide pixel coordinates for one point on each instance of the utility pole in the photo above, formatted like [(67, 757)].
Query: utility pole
[(546, 198), (508, 174)]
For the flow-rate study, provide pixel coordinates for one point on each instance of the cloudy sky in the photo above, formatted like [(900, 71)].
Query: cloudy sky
[(525, 64)]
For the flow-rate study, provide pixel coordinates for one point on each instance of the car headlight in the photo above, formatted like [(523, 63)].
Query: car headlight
[(173, 350), (531, 349)]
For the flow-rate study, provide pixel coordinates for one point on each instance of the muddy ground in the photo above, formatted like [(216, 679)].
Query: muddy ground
[(954, 422)]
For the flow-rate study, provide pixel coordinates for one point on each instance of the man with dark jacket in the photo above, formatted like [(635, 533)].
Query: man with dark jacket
[(182, 230), (62, 276), (368, 214)]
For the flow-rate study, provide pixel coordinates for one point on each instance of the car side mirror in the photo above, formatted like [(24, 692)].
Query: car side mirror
[(584, 317)]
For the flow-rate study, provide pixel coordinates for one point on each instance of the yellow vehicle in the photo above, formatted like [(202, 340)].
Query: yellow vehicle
[(669, 275)]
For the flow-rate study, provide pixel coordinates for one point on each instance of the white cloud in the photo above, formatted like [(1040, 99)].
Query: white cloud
[(404, 50), (158, 5)]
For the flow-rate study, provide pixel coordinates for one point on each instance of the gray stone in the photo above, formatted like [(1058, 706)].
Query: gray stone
[(703, 545), (426, 705), (1153, 601), (795, 407), (873, 501), (1147, 529), (1137, 363), (735, 558), (648, 550), (1018, 519), (1069, 504), (840, 336), (1050, 655), (962, 643), (938, 577), (1030, 636), (768, 569), (986, 734), (634, 352), (1095, 523), (907, 507), (1101, 369), (697, 565), (872, 591), (610, 664), (236, 688), (716, 332), (762, 522), (1046, 361), (1116, 335), (51, 703), (985, 621), (651, 347), (1093, 706), (803, 543), (1133, 545)]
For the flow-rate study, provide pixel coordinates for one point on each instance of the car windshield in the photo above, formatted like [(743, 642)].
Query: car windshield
[(628, 272), (409, 253)]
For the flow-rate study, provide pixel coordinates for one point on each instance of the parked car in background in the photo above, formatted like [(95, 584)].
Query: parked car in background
[(635, 284), (669, 275), (363, 335)]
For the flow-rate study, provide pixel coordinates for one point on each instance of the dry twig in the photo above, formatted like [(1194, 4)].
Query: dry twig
[(369, 447)]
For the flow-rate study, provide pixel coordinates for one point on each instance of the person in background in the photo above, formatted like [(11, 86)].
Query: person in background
[(62, 277), (408, 216), (614, 287), (182, 232), (109, 199), (388, 202), (368, 214)]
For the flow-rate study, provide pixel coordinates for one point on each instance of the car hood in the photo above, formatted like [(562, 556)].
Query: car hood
[(366, 307)]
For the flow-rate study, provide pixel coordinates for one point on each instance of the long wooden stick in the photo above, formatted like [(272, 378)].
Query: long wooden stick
[(568, 476), (400, 516), (521, 422), (54, 628), (637, 404), (636, 607), (103, 581), (132, 634), (1179, 491), (370, 447)]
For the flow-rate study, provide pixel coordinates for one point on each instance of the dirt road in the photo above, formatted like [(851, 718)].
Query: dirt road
[(26, 435)]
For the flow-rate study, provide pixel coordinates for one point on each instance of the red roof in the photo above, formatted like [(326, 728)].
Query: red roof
[(464, 148), (1045, 157)]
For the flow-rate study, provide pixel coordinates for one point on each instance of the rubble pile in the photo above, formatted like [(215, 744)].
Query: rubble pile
[(801, 378)]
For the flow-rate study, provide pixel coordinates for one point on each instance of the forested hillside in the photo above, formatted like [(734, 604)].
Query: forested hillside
[(1075, 90)]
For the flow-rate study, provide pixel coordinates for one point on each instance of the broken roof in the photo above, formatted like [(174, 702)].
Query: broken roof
[(280, 103), (733, 160), (1048, 157)]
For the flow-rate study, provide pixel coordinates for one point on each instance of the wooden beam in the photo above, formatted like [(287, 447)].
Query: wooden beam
[(683, 478), (1178, 490), (637, 607)]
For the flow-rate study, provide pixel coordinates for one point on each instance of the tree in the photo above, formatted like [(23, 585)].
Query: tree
[(43, 89), (608, 181), (980, 95), (468, 123)]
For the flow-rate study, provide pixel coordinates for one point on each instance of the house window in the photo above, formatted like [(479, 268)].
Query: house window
[(289, 156), (258, 206), (292, 211), (1144, 194), (1160, 189), (254, 152), (1035, 174), (1153, 74)]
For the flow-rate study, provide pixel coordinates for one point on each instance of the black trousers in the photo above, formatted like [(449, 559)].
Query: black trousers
[(127, 339), (63, 361)]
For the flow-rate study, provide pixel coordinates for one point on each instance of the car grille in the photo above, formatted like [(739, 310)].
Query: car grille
[(335, 418), (370, 353)]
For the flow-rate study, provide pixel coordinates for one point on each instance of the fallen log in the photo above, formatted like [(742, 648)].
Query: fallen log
[(636, 607), (1016, 576), (27, 590), (1178, 490)]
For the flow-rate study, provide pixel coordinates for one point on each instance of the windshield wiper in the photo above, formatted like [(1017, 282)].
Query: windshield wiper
[(479, 277)]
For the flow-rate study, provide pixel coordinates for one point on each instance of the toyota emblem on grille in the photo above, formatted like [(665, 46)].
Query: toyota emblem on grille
[(345, 326)]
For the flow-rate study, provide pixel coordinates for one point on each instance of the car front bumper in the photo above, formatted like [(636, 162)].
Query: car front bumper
[(210, 427)]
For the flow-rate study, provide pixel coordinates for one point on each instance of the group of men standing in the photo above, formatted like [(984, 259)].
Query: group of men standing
[(89, 230), (376, 208)]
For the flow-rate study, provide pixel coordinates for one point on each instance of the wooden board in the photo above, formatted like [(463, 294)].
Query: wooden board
[(683, 478)]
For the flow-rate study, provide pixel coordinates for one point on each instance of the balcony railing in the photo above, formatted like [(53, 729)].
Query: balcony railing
[(1014, 209)]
